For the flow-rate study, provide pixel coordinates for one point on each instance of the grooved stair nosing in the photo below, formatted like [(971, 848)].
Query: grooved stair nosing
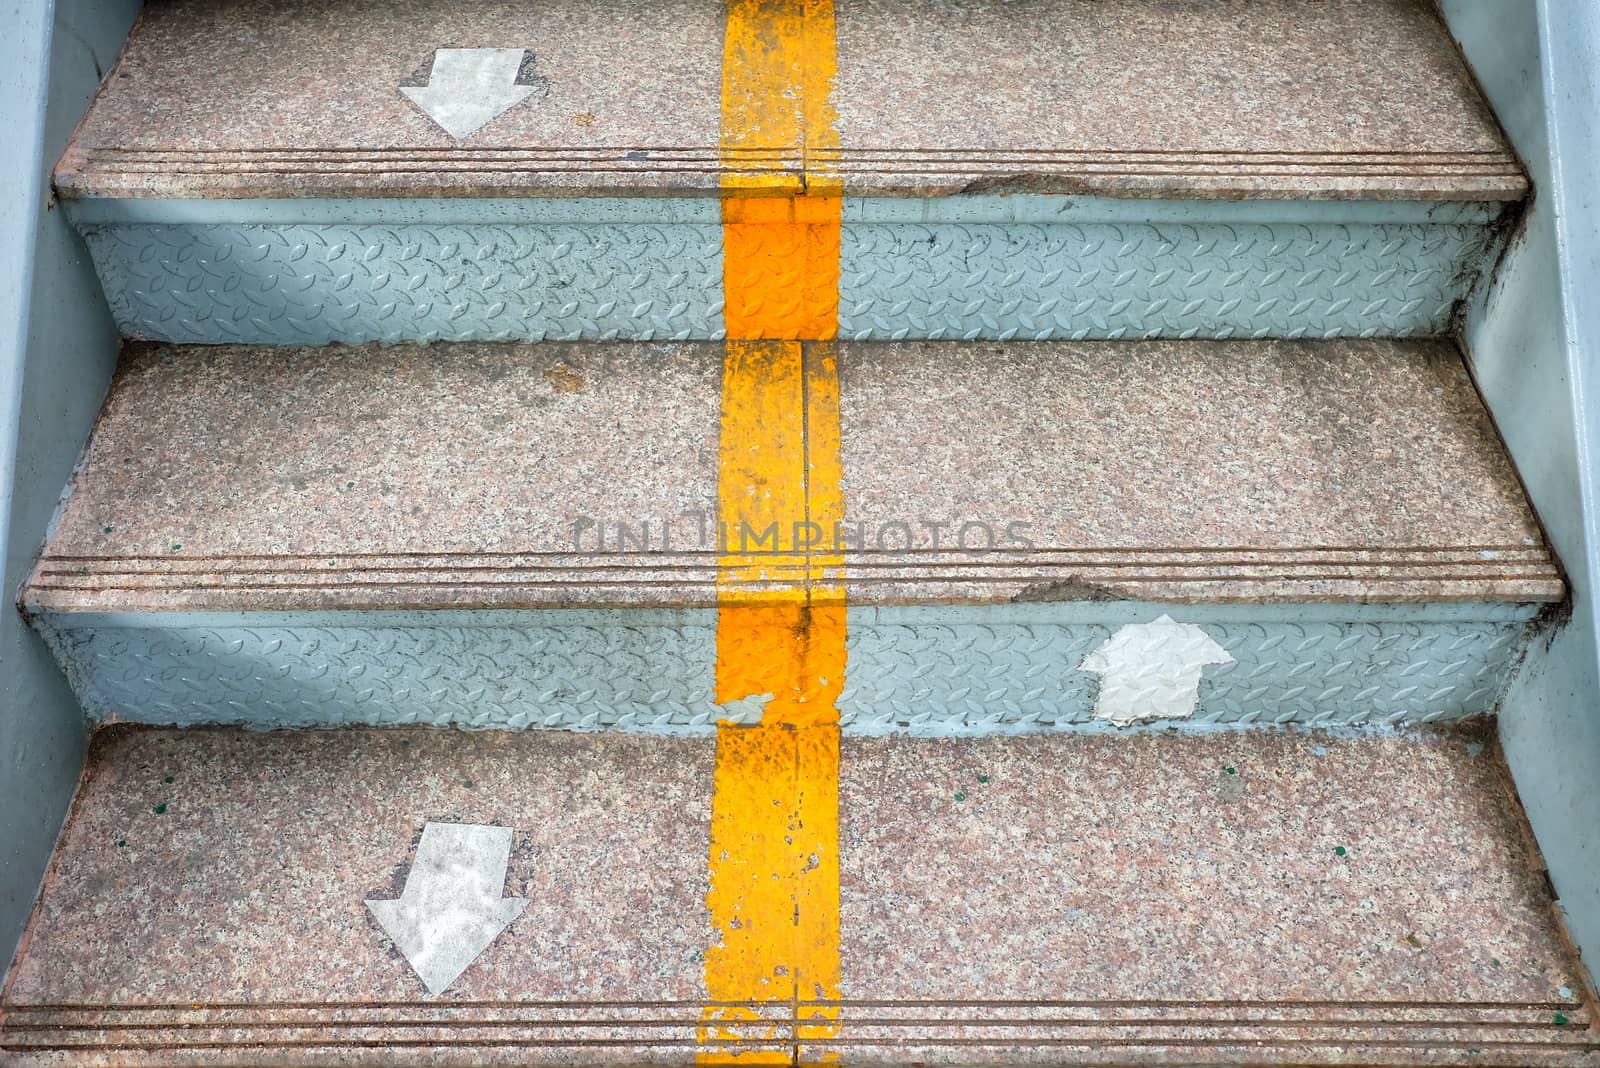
[(1516, 574), (1182, 1028), (113, 172)]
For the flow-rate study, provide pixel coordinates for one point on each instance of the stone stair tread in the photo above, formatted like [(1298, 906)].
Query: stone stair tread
[(1259, 98), (457, 476), (1292, 897)]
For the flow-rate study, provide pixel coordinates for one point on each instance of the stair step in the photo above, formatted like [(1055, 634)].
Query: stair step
[(221, 208), (1272, 897), (529, 535), (1270, 97)]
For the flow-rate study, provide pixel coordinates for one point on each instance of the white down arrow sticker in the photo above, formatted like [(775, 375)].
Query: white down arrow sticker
[(451, 907), (469, 88), (1152, 671)]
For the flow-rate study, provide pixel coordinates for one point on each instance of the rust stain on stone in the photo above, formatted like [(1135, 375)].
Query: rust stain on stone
[(563, 379)]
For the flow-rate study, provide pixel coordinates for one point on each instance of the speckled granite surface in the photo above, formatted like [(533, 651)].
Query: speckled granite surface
[(1304, 876), (427, 475), (1209, 471), (1242, 97), (263, 98), (1262, 897), (482, 476)]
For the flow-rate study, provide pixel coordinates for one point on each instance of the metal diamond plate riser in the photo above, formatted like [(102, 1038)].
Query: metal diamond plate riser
[(1059, 281), (977, 679), (321, 284), (324, 282), (641, 674)]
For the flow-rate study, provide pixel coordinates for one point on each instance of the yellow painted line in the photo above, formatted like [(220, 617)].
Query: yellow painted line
[(778, 68), (774, 860)]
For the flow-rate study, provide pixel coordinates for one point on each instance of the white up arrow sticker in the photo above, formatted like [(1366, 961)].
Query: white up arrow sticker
[(1152, 670), (470, 88), (451, 907)]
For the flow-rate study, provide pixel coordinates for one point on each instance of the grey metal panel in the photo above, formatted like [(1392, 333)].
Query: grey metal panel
[(1530, 335), (967, 671), (973, 678), (56, 353), (974, 267), (613, 674), (1114, 280), (315, 284)]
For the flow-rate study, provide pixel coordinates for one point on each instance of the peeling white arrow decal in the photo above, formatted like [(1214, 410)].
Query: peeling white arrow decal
[(470, 88), (1152, 670), (451, 908)]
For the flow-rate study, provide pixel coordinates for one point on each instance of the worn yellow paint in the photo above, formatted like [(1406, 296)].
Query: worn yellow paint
[(825, 471), (774, 897), (779, 125), (774, 864)]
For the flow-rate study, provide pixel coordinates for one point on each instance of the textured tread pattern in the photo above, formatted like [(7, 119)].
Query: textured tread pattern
[(314, 284), (959, 678), (977, 679), (572, 677), (1062, 281), (325, 284)]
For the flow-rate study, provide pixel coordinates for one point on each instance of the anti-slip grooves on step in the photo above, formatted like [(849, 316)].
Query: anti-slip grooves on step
[(1262, 898), (524, 535), (1305, 171)]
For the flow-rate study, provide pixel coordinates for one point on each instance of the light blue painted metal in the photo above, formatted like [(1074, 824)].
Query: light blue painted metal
[(317, 284), (57, 346), (586, 673), (1531, 338), (971, 678), (286, 272), (939, 671), (1060, 281)]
